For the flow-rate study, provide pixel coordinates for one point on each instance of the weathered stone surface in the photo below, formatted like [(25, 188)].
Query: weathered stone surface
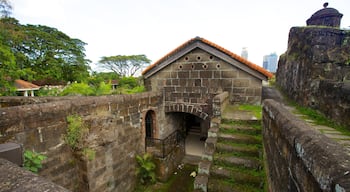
[(14, 178), (315, 70), (307, 160), (115, 136)]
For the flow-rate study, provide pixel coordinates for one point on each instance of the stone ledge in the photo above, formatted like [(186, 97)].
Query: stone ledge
[(14, 178), (326, 160)]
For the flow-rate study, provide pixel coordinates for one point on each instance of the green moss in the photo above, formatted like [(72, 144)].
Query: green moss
[(320, 119)]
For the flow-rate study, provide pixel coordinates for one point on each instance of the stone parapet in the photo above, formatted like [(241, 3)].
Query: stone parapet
[(14, 178), (307, 160)]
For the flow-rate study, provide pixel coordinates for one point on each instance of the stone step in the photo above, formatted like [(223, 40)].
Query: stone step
[(217, 185), (245, 150), (238, 138), (232, 161), (244, 122), (239, 177), (226, 128)]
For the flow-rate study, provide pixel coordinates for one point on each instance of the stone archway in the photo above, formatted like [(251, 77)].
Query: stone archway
[(186, 108)]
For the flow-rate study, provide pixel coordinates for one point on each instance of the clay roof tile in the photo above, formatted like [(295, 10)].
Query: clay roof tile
[(231, 54)]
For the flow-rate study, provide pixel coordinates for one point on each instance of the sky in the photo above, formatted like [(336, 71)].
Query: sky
[(156, 27)]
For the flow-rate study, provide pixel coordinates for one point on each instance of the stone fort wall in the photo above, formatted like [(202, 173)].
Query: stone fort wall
[(115, 135), (315, 70), (298, 157)]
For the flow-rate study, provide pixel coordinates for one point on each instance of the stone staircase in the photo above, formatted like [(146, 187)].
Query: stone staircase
[(234, 158)]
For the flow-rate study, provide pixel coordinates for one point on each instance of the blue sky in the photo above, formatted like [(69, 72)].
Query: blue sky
[(155, 27)]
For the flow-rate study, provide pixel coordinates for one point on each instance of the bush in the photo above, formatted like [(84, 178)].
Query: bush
[(103, 89), (146, 169), (33, 161), (75, 131), (78, 89)]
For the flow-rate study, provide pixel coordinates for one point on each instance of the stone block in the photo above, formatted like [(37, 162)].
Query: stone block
[(204, 167), (201, 183)]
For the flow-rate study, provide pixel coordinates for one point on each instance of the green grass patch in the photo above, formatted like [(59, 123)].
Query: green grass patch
[(179, 182), (255, 109), (235, 186), (253, 124), (248, 146), (320, 119)]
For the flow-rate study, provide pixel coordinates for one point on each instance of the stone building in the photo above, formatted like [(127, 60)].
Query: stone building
[(193, 73)]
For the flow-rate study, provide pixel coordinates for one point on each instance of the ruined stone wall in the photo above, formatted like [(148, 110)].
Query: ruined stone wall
[(198, 76), (115, 136), (315, 70), (299, 158)]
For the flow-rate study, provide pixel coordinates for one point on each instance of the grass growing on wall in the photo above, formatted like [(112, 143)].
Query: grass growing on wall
[(320, 119)]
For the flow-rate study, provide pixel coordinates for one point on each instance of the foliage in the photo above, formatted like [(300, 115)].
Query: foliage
[(124, 65), (5, 8), (48, 92), (77, 89), (103, 89), (319, 118), (146, 169), (44, 53), (33, 161), (75, 131), (89, 153), (256, 109), (83, 89), (96, 78)]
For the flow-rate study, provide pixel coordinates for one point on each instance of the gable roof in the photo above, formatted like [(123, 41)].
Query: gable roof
[(22, 85), (212, 48)]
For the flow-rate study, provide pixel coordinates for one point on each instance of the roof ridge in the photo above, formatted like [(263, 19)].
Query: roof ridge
[(231, 54)]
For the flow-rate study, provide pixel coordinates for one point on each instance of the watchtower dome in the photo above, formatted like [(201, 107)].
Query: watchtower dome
[(325, 17)]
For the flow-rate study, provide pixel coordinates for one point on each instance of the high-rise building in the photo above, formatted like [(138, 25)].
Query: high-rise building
[(270, 62), (244, 53)]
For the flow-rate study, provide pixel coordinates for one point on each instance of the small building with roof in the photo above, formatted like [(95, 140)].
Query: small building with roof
[(26, 88), (193, 74), (199, 69)]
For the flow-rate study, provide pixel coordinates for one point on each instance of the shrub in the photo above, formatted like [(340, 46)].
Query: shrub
[(146, 169), (75, 131), (33, 161), (78, 89)]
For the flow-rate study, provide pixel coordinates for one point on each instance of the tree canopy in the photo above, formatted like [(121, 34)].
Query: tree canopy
[(43, 53), (124, 65), (5, 8)]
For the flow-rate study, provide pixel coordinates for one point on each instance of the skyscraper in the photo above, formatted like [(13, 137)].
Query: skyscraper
[(270, 62), (244, 53)]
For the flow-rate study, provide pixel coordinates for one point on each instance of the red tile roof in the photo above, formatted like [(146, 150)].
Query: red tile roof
[(233, 55), (21, 84)]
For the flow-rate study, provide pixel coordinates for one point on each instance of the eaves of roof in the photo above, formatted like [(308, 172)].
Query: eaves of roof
[(234, 56), (22, 85)]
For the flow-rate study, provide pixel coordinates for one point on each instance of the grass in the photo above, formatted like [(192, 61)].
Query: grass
[(255, 109), (179, 182), (319, 119)]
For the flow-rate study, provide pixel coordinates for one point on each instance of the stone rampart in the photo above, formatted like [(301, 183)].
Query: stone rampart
[(115, 136), (299, 158), (315, 70)]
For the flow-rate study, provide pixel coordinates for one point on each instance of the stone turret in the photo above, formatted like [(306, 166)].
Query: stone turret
[(325, 17)]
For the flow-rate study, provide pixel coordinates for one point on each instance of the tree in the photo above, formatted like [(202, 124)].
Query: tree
[(5, 8), (44, 53), (124, 65)]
